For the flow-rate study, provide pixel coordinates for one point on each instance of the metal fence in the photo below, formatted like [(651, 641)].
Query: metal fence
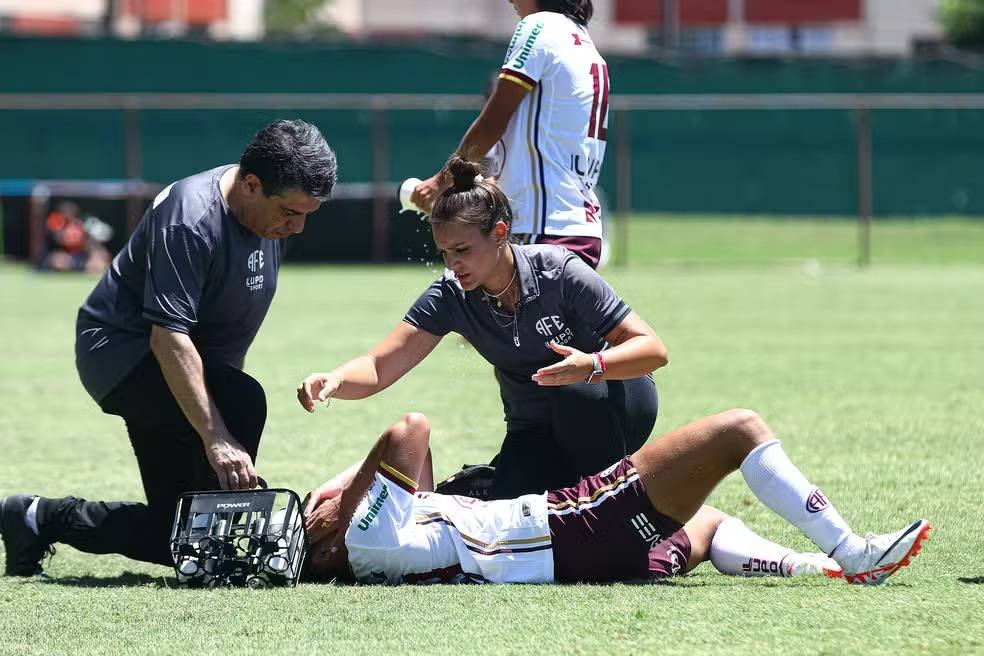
[(380, 187)]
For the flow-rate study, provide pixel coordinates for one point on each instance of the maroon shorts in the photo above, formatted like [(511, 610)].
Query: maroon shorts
[(586, 248), (605, 529)]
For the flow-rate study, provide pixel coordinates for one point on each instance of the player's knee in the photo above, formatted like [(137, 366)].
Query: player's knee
[(711, 516), (747, 428)]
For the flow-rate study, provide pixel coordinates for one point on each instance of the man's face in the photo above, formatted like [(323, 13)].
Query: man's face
[(275, 216), (471, 255)]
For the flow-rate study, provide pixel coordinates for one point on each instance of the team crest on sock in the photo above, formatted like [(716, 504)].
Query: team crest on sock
[(816, 501)]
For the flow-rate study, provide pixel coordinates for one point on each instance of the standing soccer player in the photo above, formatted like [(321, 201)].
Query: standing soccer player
[(547, 122), (162, 339)]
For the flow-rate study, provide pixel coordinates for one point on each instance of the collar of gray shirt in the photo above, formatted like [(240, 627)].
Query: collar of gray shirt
[(529, 286)]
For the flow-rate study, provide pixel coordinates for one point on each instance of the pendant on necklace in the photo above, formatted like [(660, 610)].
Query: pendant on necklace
[(498, 302)]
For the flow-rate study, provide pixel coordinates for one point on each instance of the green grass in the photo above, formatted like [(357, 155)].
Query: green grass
[(666, 239), (874, 380)]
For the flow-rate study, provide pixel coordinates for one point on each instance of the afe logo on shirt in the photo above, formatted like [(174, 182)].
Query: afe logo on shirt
[(255, 264), (554, 329), (547, 325), (255, 261)]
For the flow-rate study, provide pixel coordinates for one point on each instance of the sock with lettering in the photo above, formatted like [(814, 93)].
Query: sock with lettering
[(739, 551), (780, 485)]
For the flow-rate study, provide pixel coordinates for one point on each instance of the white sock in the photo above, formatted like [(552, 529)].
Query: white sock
[(739, 551), (782, 487), (31, 516)]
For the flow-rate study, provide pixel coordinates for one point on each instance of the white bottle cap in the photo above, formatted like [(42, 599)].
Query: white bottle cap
[(406, 190)]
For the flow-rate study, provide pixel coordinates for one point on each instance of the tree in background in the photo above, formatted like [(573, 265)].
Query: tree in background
[(963, 22), (295, 17)]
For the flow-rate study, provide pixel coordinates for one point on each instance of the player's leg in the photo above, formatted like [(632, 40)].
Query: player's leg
[(680, 469), (737, 550)]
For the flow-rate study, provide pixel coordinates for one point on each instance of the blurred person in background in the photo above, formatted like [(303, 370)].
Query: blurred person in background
[(162, 340), (72, 244), (572, 361), (544, 129)]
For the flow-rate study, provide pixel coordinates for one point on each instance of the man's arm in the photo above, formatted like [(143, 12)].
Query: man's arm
[(184, 372), (487, 129)]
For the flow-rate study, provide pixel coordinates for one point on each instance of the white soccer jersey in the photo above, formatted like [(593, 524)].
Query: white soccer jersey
[(398, 535), (555, 142)]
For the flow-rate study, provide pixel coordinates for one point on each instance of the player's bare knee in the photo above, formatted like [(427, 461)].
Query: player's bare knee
[(711, 516), (749, 426), (743, 430)]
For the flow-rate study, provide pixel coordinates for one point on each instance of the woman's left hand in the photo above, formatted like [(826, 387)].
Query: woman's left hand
[(574, 368)]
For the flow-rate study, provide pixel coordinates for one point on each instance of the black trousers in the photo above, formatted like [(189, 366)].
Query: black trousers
[(588, 428), (171, 458)]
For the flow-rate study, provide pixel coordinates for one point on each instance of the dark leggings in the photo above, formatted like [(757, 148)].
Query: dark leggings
[(590, 427), (171, 458)]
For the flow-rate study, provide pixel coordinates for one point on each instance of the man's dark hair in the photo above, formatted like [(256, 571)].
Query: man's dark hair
[(579, 11), (291, 155)]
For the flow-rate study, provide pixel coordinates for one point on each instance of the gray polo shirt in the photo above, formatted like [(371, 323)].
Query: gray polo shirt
[(190, 267), (562, 299)]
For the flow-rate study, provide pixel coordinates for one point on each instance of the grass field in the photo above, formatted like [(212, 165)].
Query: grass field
[(874, 380)]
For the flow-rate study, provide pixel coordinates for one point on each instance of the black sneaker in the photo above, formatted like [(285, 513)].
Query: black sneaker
[(475, 481), (24, 549)]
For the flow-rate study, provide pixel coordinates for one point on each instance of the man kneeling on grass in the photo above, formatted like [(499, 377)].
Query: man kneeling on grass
[(642, 518)]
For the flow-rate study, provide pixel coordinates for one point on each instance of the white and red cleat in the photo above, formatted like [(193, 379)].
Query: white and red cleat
[(885, 554)]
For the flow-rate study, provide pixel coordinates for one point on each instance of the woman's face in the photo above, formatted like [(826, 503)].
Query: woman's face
[(471, 255)]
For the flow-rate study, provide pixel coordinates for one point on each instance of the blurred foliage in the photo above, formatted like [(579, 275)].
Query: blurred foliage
[(963, 22), (295, 17)]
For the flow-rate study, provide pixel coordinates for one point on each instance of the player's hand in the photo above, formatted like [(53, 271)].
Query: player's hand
[(232, 465), (574, 368), (324, 492), (427, 192), (323, 521), (317, 387)]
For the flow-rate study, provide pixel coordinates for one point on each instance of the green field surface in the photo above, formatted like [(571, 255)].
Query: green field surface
[(873, 379), (685, 239)]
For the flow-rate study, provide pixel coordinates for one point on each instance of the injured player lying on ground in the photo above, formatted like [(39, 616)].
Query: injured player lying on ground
[(643, 518)]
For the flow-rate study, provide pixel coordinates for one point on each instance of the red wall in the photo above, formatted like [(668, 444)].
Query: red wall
[(787, 11), (692, 12), (715, 12), (195, 12)]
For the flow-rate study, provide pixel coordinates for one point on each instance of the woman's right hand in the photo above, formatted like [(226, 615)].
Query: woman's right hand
[(317, 387)]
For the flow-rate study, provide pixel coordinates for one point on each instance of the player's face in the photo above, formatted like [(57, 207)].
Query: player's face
[(278, 215), (524, 7), (471, 255)]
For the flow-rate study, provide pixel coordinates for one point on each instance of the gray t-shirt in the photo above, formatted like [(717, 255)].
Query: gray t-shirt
[(190, 267), (562, 299)]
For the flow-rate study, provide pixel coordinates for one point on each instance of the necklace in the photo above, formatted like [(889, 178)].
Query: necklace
[(498, 301), (498, 317)]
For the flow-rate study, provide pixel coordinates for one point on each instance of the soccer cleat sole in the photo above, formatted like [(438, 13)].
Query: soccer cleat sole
[(879, 574)]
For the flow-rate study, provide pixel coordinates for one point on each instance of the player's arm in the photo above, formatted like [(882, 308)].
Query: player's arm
[(487, 129), (401, 454), (184, 372), (383, 365), (335, 485)]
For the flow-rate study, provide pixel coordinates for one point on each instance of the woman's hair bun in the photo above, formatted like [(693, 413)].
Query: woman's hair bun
[(463, 173)]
